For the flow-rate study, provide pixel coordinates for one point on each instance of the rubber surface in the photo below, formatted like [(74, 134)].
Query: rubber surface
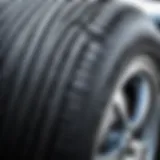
[(59, 63)]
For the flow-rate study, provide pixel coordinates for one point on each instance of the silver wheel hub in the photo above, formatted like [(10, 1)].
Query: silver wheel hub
[(122, 131)]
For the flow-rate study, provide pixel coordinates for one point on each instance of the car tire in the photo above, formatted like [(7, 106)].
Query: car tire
[(70, 72)]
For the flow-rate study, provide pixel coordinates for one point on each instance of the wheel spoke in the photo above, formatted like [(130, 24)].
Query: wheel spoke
[(121, 105), (137, 151)]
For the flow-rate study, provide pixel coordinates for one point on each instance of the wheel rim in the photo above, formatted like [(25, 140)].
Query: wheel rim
[(125, 132)]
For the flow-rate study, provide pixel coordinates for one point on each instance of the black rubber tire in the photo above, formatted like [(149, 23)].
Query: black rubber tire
[(59, 63)]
